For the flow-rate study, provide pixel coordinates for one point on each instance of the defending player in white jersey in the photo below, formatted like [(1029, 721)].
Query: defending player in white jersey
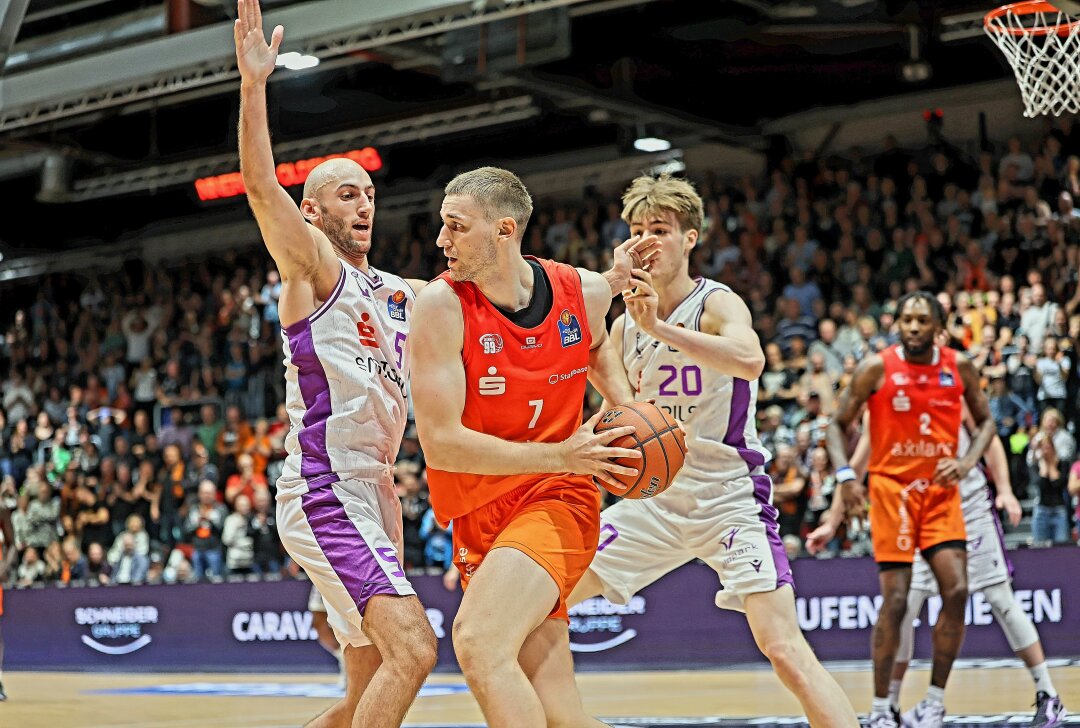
[(345, 330), (690, 345), (988, 570)]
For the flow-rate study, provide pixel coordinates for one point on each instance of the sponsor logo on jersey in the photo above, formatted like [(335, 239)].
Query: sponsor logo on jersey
[(756, 563), (900, 379), (532, 343), (569, 328), (950, 403), (396, 305), (492, 343), (728, 539), (946, 379), (366, 331), (901, 402), (384, 369), (556, 378), (922, 449), (493, 384)]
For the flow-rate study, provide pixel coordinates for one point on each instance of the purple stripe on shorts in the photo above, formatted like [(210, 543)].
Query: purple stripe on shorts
[(1000, 532), (315, 391), (767, 515), (736, 429), (348, 554)]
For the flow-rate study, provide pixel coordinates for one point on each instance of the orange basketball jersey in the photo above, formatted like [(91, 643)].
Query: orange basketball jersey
[(915, 415), (523, 385)]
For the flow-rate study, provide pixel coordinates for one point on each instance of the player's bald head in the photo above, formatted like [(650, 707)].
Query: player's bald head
[(334, 172)]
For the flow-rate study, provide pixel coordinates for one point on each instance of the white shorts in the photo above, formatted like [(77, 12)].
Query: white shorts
[(731, 526), (336, 534), (315, 601), (987, 563)]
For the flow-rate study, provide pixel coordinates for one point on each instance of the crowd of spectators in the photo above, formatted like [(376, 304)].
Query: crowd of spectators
[(141, 424)]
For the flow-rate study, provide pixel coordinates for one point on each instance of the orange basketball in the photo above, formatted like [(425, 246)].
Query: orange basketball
[(658, 437)]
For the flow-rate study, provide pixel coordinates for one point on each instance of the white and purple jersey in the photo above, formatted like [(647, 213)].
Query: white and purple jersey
[(716, 411), (719, 507), (346, 382)]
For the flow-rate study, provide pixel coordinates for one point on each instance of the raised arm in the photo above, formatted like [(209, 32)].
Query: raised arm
[(300, 250), (727, 341), (438, 388), (606, 371)]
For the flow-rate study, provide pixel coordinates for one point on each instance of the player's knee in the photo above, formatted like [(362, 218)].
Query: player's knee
[(894, 605), (789, 658), (954, 595), (474, 646), (413, 650)]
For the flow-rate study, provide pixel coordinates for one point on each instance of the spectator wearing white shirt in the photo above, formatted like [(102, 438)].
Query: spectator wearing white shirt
[(1036, 319), (18, 397), (239, 546)]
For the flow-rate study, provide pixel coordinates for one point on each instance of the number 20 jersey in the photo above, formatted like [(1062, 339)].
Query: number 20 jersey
[(346, 381), (717, 411)]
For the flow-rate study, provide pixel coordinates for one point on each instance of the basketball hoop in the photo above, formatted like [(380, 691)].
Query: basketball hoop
[(1042, 44)]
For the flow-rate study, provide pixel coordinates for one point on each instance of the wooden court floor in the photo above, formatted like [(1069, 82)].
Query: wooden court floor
[(69, 700)]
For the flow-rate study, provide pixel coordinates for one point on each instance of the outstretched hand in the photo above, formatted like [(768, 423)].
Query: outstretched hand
[(254, 57), (588, 452)]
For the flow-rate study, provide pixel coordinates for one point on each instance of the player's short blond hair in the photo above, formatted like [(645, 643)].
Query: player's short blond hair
[(648, 197), (499, 192)]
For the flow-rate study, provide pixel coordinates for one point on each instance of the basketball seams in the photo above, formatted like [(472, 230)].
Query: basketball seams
[(668, 426), (656, 435)]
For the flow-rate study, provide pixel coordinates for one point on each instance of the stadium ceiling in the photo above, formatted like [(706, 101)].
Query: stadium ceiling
[(110, 110)]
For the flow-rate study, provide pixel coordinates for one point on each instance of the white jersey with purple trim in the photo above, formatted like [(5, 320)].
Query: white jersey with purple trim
[(346, 380), (716, 411), (987, 562), (719, 508)]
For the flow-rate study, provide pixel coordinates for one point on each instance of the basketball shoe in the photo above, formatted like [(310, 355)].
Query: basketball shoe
[(882, 720), (926, 714), (1048, 711)]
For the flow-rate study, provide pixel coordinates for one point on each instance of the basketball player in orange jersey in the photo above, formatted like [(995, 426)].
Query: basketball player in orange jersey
[(913, 391), (689, 344), (502, 346), (7, 563)]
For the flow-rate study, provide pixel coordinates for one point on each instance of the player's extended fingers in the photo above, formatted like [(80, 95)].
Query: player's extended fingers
[(611, 482), (590, 423), (610, 453), (256, 13), (629, 244), (610, 466), (238, 32), (615, 432), (275, 41)]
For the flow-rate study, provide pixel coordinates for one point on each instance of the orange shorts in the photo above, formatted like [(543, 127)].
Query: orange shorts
[(556, 523), (909, 516)]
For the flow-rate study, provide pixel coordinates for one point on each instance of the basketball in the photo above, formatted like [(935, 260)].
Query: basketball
[(658, 437)]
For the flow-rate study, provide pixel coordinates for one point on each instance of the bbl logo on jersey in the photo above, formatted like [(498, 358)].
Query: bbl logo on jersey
[(946, 379), (569, 328), (396, 305), (492, 343)]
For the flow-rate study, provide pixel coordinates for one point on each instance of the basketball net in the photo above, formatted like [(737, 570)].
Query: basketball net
[(1042, 44)]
